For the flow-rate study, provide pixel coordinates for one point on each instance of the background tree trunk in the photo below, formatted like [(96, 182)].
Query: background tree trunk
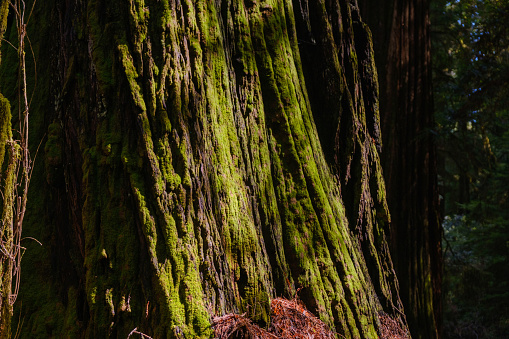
[(201, 158), (402, 49)]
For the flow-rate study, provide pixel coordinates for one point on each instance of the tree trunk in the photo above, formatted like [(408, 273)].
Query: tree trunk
[(402, 49), (8, 162), (200, 158), (8, 154)]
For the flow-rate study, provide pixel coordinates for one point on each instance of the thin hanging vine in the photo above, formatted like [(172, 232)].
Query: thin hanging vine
[(16, 179)]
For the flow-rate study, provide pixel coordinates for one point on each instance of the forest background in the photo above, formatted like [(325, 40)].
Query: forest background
[(471, 91)]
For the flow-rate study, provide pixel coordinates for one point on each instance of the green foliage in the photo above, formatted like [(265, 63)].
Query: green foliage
[(471, 63), (476, 287)]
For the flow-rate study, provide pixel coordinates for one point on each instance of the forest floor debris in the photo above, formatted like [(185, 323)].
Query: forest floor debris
[(390, 328), (238, 326), (291, 320)]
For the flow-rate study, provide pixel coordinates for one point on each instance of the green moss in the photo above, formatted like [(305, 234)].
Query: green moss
[(5, 126), (131, 74), (4, 12), (164, 157), (6, 232), (139, 15)]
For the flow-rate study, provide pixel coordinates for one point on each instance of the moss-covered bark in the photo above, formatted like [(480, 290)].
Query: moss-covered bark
[(8, 162), (200, 158), (8, 154)]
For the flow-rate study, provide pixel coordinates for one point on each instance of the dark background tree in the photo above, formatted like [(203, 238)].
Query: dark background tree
[(403, 56), (201, 158)]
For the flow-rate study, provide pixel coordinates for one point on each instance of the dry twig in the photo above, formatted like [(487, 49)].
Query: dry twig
[(142, 335)]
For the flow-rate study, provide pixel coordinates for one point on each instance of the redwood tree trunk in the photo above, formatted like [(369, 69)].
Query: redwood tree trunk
[(8, 153), (200, 158), (402, 48)]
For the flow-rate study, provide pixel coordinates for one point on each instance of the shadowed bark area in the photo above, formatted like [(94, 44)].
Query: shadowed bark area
[(201, 158), (402, 47), (348, 122)]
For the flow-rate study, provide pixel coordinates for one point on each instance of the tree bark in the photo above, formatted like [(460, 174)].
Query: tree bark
[(201, 158), (402, 49), (8, 155)]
